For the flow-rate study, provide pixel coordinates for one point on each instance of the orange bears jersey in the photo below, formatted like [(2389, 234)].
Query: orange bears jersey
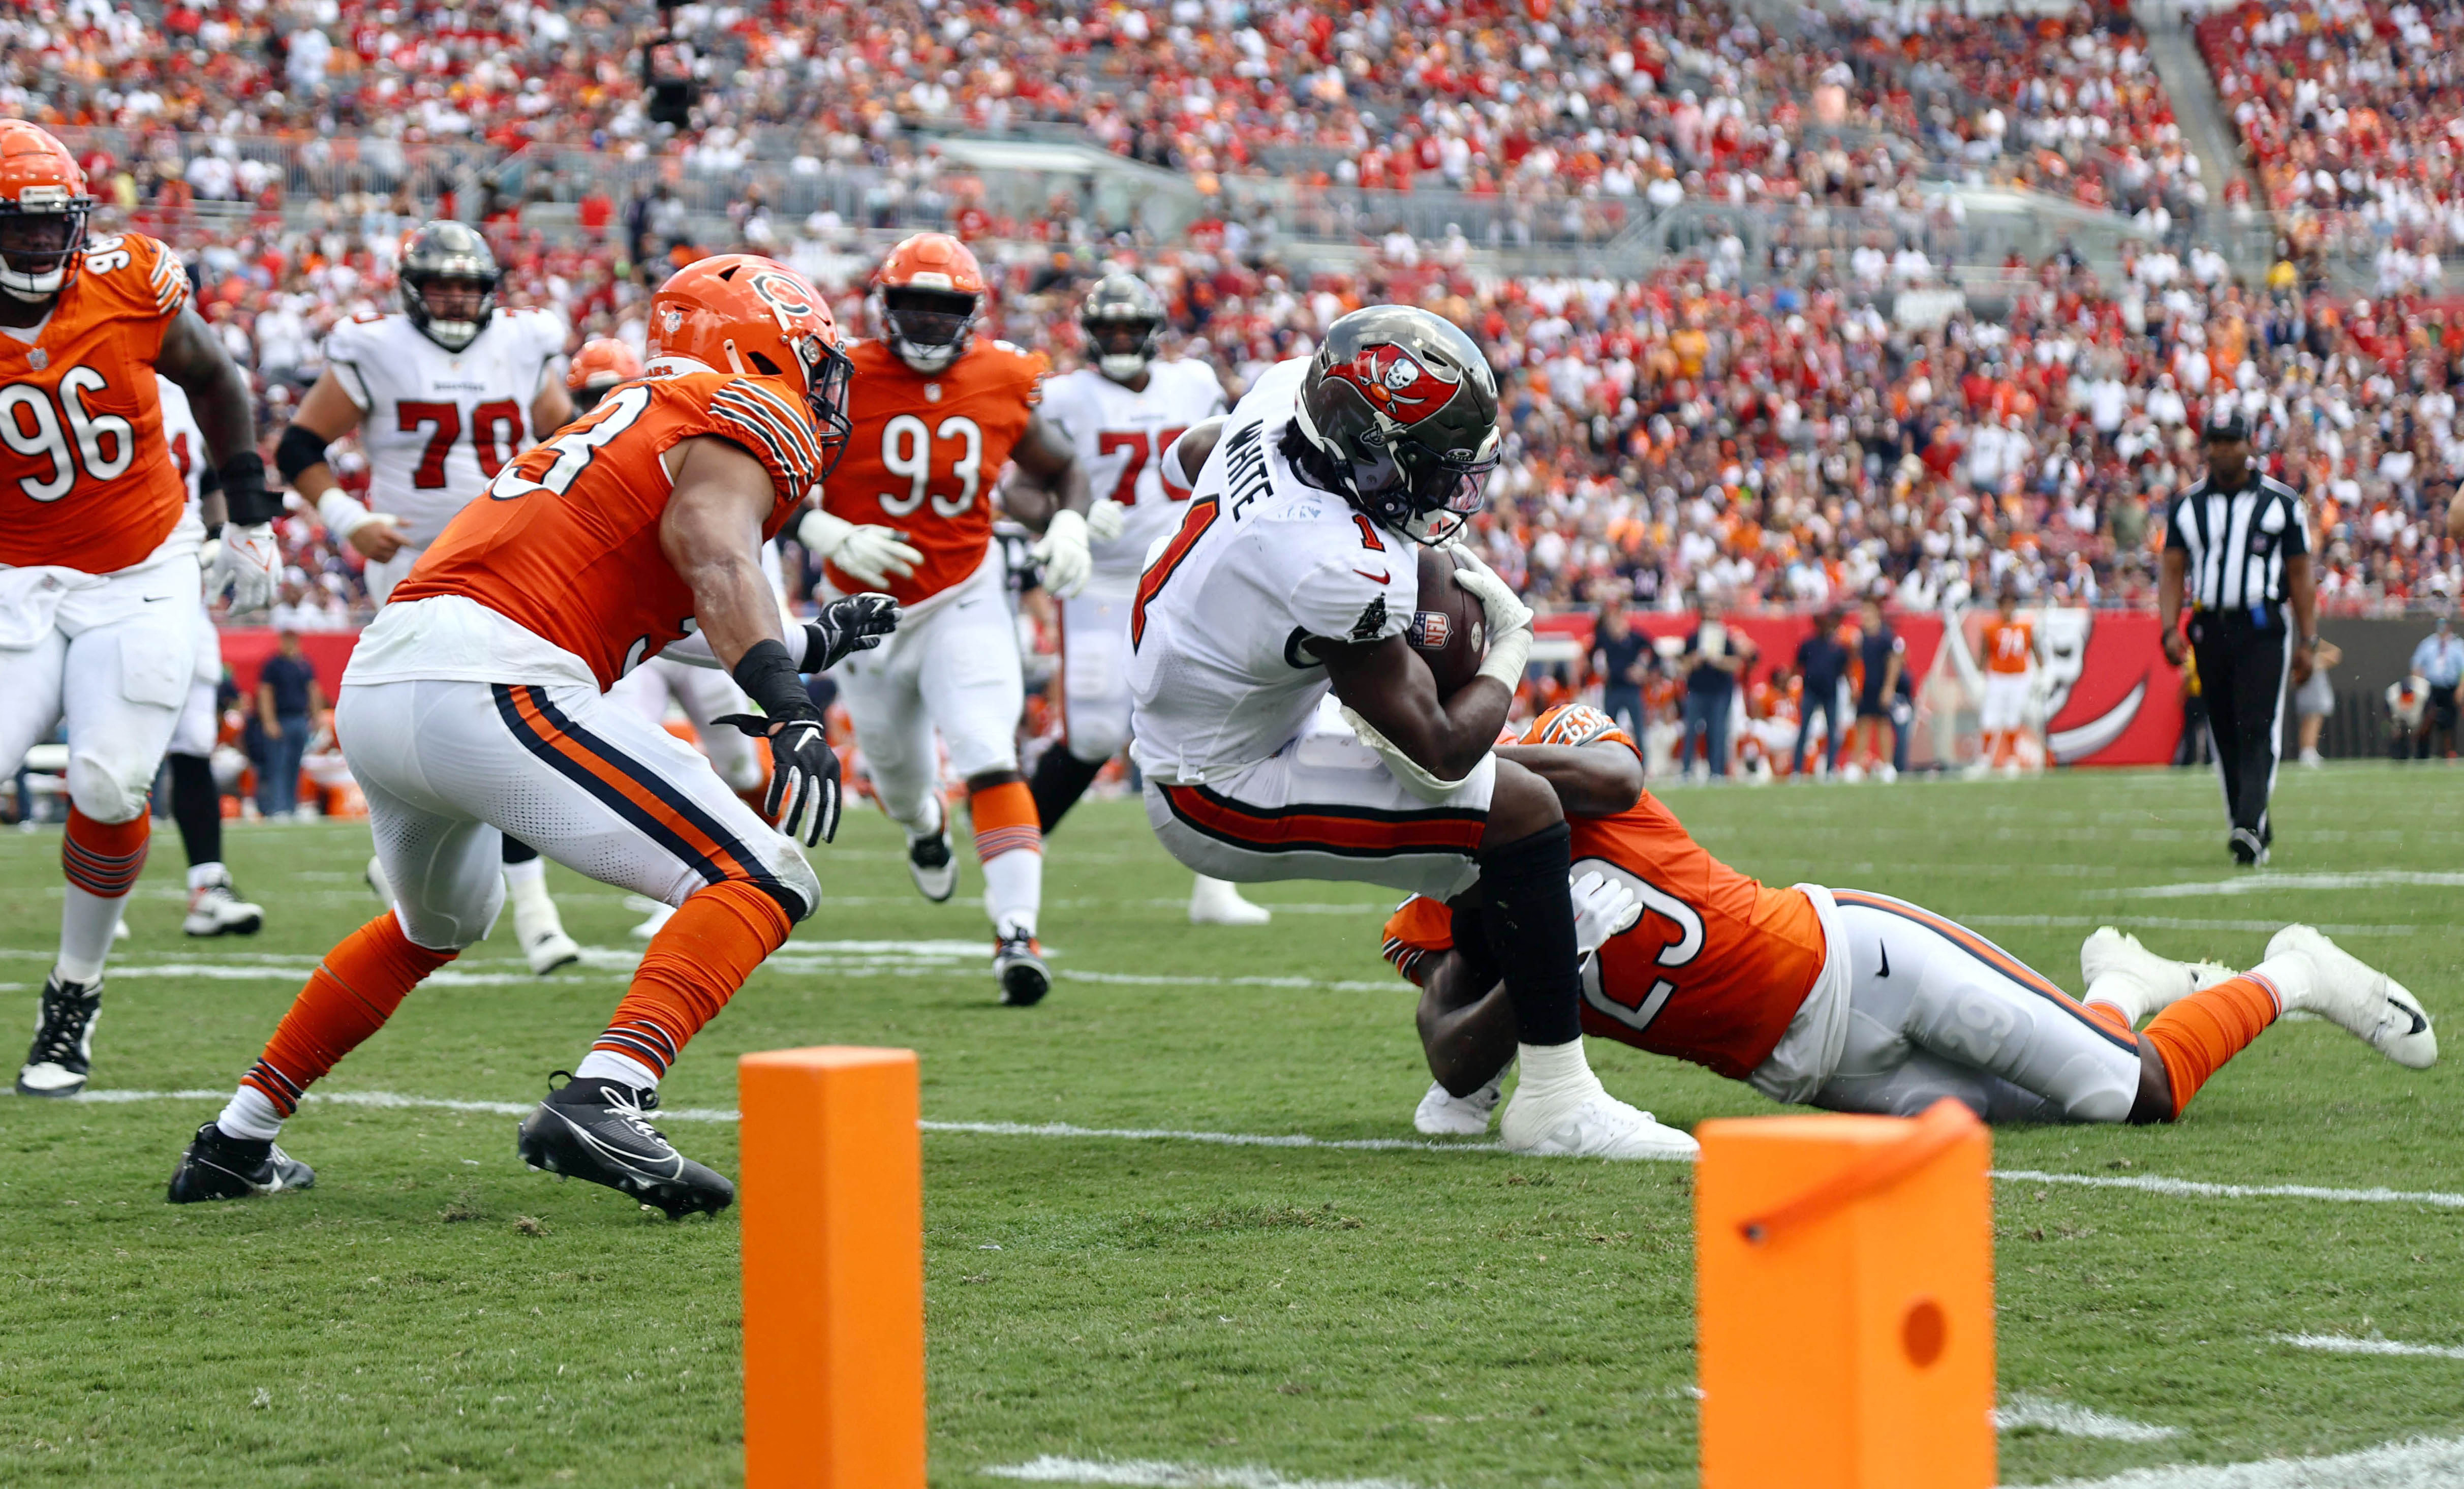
[(2008, 645), (1713, 971), (566, 544), (85, 479), (926, 451)]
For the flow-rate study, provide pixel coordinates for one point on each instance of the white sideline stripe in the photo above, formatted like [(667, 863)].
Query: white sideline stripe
[(2152, 1184), (2074, 1421), (1160, 980), (2271, 884), (2418, 1463), (2194, 1188), (2346, 1344), (1146, 1474), (2168, 922)]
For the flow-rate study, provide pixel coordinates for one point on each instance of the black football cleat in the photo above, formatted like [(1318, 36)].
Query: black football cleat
[(217, 1167), (63, 1053), (593, 1129), (1018, 962)]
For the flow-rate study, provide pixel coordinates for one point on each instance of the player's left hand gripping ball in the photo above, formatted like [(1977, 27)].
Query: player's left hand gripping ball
[(250, 563), (857, 623), (1065, 554), (804, 799)]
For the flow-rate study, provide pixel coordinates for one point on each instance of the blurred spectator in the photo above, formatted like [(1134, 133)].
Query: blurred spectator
[(288, 700), (1714, 657), (1622, 659), (1822, 665), (2314, 701), (2438, 661), (1882, 684)]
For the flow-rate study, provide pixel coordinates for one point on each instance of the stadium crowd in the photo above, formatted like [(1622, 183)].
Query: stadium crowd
[(2353, 117)]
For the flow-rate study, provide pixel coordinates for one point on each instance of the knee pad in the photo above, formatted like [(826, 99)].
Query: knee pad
[(794, 884), (110, 792), (1095, 744), (436, 931)]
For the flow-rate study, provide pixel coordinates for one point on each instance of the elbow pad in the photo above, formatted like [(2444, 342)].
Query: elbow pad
[(298, 449)]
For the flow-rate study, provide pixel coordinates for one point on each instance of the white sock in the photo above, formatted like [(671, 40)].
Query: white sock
[(249, 1114), (2294, 979), (86, 924), (531, 874), (1551, 1071), (1014, 891), (200, 875), (623, 1069)]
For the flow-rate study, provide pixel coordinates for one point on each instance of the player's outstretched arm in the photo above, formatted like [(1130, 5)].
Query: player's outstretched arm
[(1466, 1023), (248, 562), (712, 534), (1596, 780), (553, 409), (326, 414), (1045, 459), (1184, 457), (1394, 691)]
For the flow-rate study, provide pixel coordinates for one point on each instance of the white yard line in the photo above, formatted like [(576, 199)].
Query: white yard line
[(2268, 883), (2421, 1463), (1146, 1474), (2151, 1184), (2167, 922), (2074, 1421), (2346, 1344)]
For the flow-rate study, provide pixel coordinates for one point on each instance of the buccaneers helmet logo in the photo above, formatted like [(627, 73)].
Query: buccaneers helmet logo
[(1398, 385)]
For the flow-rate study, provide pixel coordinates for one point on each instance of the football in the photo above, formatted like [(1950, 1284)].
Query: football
[(1449, 629)]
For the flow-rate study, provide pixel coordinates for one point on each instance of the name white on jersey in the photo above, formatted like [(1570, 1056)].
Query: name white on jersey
[(437, 425), (1120, 437), (1220, 670)]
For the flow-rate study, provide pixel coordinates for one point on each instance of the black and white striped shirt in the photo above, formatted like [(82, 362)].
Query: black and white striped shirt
[(2237, 541)]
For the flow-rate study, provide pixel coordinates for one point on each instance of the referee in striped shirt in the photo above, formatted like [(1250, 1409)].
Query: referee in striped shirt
[(2236, 548)]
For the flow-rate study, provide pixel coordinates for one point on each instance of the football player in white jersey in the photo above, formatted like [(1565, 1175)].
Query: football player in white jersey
[(1121, 414), (444, 394), (1294, 576), (214, 907)]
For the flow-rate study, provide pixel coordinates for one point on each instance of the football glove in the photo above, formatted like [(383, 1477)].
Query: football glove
[(1603, 907), (803, 798), (1104, 520), (857, 623), (868, 554), (249, 563), (1064, 554), (1508, 619)]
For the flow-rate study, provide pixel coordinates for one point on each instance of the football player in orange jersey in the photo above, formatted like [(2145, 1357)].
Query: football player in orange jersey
[(98, 558), (1848, 1000), (476, 702), (937, 415), (2010, 646)]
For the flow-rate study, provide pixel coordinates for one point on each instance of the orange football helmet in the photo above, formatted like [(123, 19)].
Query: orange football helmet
[(44, 205), (598, 366), (929, 288), (743, 313)]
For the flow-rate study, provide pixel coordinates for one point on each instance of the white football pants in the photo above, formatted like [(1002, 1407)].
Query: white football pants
[(112, 655), (703, 694), (953, 668)]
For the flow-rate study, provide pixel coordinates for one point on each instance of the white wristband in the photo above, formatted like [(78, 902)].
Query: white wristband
[(342, 513), (1507, 655)]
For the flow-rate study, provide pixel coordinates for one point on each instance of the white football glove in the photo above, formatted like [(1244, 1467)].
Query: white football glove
[(248, 562), (1104, 520), (1508, 619), (867, 554), (1064, 554), (1603, 907)]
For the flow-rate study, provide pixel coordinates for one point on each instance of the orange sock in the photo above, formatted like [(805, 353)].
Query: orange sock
[(2197, 1034), (349, 996), (105, 857), (2112, 1018), (1005, 821), (695, 964)]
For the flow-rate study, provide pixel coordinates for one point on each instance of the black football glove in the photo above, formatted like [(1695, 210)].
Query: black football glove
[(803, 798), (857, 623)]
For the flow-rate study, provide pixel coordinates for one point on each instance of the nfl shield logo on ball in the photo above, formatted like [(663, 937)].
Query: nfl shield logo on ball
[(1430, 629)]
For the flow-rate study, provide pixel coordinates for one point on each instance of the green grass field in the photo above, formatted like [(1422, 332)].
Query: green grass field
[(431, 1310)]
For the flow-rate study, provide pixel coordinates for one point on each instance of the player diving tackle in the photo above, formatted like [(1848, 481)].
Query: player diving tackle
[(1294, 576), (475, 704), (1847, 1000)]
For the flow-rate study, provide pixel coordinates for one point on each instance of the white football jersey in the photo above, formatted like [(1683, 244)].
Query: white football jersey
[(188, 446), (1120, 437), (437, 425), (1221, 672)]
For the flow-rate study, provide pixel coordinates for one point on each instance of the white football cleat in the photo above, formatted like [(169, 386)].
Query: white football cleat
[(2119, 970), (2346, 990), (1577, 1124), (931, 861), (1886, 772), (1852, 773), (1215, 901), (540, 931), (216, 909), (1440, 1114), (376, 878), (655, 922)]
